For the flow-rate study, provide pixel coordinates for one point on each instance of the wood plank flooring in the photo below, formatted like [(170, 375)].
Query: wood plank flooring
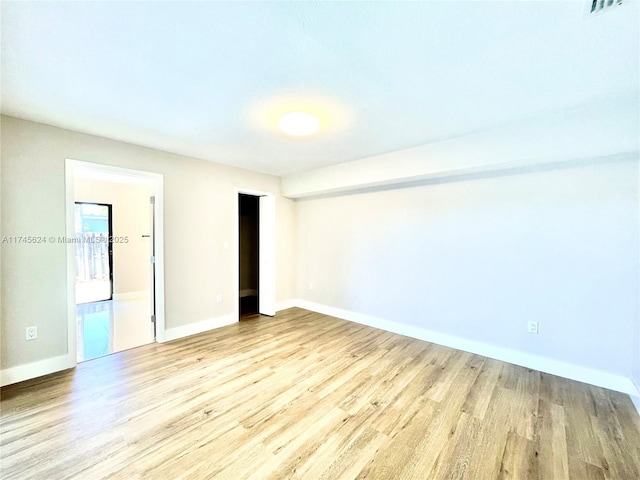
[(303, 395)]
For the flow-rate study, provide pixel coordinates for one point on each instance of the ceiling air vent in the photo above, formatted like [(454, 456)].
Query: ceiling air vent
[(597, 6)]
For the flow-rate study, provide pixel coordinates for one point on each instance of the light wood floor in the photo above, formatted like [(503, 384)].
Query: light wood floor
[(307, 396)]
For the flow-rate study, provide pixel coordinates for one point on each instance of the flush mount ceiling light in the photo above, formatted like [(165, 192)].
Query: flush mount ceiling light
[(300, 116), (299, 124)]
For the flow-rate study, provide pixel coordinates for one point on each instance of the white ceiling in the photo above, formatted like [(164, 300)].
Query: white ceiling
[(208, 79)]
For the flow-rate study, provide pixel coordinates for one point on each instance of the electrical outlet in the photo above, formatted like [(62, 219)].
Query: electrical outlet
[(31, 333), (532, 327), (219, 298)]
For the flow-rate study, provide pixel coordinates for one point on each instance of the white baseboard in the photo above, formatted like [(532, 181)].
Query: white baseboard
[(28, 371), (286, 304), (247, 292), (130, 295), (199, 327), (591, 376), (209, 324)]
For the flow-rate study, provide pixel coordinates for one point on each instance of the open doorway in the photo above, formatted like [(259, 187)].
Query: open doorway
[(126, 311), (249, 254), (93, 252), (113, 233), (255, 253)]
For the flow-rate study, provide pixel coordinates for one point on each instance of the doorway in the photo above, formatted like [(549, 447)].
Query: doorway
[(261, 208), (93, 252), (249, 254), (131, 312), (113, 222)]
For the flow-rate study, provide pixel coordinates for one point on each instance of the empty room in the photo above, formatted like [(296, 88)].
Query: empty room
[(320, 240)]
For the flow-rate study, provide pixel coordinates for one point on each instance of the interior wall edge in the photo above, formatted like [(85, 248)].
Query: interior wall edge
[(557, 136), (476, 173), (515, 167)]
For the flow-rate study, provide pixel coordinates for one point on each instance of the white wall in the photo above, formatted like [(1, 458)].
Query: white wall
[(477, 259), (131, 219), (199, 201)]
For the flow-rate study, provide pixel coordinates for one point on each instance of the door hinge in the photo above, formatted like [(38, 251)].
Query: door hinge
[(153, 319), (152, 200), (153, 259)]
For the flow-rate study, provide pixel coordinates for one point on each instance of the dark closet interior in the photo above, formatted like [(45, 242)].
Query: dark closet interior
[(249, 221)]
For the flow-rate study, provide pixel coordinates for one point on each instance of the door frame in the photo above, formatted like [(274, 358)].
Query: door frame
[(155, 180), (110, 246), (267, 251)]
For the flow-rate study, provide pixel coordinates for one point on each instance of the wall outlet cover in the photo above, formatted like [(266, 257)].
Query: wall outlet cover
[(31, 333)]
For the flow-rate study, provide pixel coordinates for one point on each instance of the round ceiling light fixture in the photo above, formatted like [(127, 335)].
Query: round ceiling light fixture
[(299, 124)]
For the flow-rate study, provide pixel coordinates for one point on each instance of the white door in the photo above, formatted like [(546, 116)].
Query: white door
[(267, 282)]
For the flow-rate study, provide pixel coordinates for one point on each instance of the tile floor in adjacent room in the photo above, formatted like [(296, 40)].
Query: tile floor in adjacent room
[(112, 326)]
